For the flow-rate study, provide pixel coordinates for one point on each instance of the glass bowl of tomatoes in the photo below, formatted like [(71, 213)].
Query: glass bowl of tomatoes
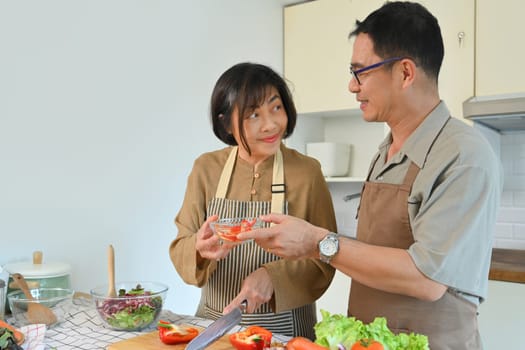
[(227, 229)]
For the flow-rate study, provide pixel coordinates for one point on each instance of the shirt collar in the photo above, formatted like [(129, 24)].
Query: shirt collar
[(418, 144)]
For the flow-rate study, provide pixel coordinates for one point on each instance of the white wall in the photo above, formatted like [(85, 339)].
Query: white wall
[(103, 108)]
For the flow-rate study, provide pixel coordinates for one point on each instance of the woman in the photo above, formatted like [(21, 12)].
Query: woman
[(252, 111)]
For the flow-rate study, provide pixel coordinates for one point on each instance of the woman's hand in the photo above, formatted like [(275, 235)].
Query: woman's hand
[(257, 289), (208, 244)]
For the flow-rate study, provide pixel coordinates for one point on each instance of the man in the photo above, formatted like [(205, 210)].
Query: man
[(429, 205)]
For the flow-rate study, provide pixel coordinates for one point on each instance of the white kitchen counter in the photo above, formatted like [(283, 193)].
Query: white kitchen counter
[(502, 315)]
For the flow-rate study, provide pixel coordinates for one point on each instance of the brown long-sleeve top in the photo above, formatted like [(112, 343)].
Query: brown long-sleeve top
[(296, 282)]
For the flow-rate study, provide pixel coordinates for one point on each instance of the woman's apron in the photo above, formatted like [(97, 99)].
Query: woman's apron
[(451, 321), (226, 281)]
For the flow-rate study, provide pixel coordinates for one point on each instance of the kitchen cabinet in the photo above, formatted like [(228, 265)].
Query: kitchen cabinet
[(317, 52), (499, 50), (456, 78), (317, 55)]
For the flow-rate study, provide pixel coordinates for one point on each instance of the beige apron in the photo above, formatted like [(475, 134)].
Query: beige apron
[(226, 281), (450, 322)]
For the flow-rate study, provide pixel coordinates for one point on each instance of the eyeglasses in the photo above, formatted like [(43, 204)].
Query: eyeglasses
[(355, 73)]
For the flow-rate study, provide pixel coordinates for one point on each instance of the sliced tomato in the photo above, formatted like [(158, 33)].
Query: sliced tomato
[(229, 233), (246, 225)]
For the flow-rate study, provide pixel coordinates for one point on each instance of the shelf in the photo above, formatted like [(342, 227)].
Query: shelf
[(349, 112), (344, 179)]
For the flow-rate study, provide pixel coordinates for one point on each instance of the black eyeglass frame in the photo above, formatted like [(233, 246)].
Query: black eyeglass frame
[(355, 73)]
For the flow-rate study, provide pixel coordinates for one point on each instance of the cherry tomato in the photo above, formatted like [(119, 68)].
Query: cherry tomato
[(302, 343), (367, 344)]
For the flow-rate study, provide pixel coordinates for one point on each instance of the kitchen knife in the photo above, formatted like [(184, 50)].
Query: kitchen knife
[(218, 328)]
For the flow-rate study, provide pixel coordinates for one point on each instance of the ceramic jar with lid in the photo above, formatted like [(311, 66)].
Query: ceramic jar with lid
[(2, 299), (39, 274)]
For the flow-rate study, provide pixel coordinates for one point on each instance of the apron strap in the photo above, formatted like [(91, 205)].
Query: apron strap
[(224, 180), (278, 186)]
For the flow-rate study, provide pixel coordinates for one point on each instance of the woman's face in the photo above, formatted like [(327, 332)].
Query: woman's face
[(264, 127)]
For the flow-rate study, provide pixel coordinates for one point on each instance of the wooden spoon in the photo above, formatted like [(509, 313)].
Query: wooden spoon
[(36, 313), (111, 272)]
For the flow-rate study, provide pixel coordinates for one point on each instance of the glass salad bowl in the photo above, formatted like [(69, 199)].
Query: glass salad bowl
[(228, 229), (136, 306)]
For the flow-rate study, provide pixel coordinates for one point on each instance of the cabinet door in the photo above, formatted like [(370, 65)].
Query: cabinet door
[(317, 52), (456, 78), (500, 52)]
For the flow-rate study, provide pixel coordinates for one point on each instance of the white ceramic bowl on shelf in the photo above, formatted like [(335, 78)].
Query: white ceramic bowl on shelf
[(334, 157)]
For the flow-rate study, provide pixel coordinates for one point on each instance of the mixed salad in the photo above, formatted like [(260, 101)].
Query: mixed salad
[(128, 313)]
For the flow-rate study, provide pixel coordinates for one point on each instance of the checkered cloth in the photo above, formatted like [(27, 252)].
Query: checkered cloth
[(82, 329)]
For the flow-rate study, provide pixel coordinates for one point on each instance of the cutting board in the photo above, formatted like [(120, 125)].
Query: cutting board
[(151, 341)]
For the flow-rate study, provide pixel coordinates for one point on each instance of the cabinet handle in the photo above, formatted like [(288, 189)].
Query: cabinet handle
[(461, 36), (351, 196)]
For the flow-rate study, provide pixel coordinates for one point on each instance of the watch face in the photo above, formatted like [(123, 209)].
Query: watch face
[(328, 247)]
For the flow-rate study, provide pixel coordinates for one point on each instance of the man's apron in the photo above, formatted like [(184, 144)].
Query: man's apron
[(451, 321), (226, 281)]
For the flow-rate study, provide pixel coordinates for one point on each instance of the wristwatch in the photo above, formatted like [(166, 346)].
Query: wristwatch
[(328, 247)]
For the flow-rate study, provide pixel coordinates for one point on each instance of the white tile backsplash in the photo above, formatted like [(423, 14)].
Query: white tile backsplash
[(519, 232), (510, 227), (519, 199), (503, 231), (511, 215)]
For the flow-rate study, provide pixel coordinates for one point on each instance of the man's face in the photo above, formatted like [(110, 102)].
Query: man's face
[(375, 91)]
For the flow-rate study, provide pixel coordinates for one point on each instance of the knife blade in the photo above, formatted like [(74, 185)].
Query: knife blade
[(218, 328)]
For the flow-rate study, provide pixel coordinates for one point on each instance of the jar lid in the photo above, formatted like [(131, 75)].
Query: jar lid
[(30, 270)]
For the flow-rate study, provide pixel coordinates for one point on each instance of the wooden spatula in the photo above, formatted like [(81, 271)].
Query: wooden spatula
[(111, 272), (36, 313)]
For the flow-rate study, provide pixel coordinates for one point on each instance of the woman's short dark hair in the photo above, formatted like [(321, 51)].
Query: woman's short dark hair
[(405, 29), (244, 86)]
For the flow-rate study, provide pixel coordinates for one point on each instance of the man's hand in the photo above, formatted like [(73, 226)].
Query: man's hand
[(290, 237)]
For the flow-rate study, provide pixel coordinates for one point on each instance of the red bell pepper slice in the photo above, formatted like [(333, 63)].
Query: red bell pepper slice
[(252, 338), (229, 233), (170, 333)]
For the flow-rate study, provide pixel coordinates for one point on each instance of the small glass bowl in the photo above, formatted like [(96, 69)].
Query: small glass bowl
[(59, 300), (228, 229)]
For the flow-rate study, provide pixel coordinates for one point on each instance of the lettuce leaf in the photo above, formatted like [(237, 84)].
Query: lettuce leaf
[(337, 329)]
